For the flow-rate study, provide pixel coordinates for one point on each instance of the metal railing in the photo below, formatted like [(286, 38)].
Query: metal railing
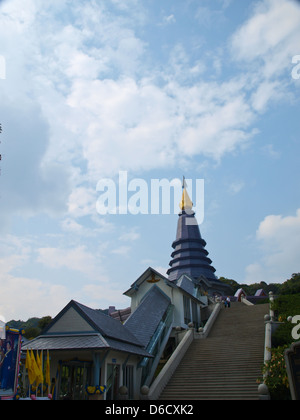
[(156, 346)]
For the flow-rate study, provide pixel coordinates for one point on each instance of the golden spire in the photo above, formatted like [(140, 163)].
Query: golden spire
[(186, 202)]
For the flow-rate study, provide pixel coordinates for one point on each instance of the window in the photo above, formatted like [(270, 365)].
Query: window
[(195, 315), (113, 381), (75, 375), (186, 309), (128, 380)]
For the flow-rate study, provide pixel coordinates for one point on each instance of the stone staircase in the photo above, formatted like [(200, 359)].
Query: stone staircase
[(227, 364)]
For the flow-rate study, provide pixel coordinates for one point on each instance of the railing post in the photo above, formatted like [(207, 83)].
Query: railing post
[(268, 338), (271, 299), (269, 319)]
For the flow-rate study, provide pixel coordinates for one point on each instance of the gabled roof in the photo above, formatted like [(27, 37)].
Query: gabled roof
[(143, 277), (185, 284), (239, 292), (105, 332), (144, 321), (106, 325), (260, 292)]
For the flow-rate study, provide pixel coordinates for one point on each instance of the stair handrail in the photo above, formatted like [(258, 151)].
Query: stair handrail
[(167, 371), (246, 301), (263, 391), (269, 319), (156, 345), (203, 332)]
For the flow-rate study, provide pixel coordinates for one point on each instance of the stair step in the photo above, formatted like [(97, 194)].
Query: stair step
[(225, 365)]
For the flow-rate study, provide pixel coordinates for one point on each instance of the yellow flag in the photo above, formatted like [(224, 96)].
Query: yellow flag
[(28, 366), (48, 381), (34, 365), (39, 362)]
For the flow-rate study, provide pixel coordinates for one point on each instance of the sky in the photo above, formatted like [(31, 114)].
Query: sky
[(155, 90)]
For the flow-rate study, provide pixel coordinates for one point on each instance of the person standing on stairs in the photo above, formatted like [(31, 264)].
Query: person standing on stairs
[(228, 301)]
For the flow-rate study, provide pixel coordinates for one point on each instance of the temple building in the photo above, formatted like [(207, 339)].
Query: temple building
[(90, 348), (190, 256)]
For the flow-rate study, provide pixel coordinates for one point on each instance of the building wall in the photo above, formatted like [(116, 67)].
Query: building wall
[(174, 294), (71, 321), (113, 357)]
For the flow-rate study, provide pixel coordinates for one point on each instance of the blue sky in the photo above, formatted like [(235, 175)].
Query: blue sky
[(159, 89)]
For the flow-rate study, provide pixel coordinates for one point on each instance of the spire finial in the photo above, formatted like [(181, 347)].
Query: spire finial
[(186, 202)]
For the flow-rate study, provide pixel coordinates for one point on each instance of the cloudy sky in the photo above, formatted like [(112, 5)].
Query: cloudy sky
[(208, 89)]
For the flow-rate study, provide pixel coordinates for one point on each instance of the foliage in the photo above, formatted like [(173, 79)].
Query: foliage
[(30, 323), (32, 327), (232, 283), (283, 335), (291, 286), (44, 322), (31, 332), (286, 305), (276, 379)]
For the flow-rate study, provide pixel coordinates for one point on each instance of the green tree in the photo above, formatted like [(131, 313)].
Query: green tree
[(291, 286), (31, 332), (44, 322)]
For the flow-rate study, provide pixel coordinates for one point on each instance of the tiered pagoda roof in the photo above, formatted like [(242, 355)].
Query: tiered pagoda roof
[(190, 256)]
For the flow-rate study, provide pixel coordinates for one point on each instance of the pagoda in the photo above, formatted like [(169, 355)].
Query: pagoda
[(190, 257)]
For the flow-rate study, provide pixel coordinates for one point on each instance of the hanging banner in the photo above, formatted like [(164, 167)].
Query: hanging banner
[(10, 351)]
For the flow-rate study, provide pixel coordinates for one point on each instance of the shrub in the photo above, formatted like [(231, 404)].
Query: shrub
[(283, 335), (277, 380)]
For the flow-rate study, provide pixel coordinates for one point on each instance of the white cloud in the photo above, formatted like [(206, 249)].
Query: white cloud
[(82, 202), (271, 35), (270, 151), (101, 116), (125, 122), (266, 92), (278, 239), (130, 236), (74, 259), (235, 187), (121, 250), (27, 185), (28, 297), (105, 294), (218, 131), (169, 19)]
